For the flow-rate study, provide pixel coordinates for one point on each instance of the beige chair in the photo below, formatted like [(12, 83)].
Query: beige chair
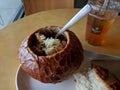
[(34, 6)]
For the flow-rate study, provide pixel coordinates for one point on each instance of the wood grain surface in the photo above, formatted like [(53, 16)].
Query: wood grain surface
[(33, 6)]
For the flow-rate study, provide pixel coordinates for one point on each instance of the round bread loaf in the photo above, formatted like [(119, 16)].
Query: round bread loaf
[(55, 67)]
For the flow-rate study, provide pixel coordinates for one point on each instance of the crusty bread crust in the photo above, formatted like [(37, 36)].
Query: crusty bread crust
[(107, 78), (96, 78), (53, 68)]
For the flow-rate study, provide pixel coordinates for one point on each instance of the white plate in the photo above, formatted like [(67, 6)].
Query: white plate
[(25, 82)]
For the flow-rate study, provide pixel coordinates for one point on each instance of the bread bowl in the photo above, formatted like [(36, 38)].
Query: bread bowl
[(54, 67)]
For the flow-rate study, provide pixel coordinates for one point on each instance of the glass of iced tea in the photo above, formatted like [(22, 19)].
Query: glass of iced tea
[(98, 23)]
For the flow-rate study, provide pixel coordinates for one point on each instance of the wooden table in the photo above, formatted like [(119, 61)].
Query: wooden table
[(12, 36)]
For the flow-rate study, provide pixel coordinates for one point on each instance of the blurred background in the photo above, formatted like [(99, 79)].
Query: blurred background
[(12, 10)]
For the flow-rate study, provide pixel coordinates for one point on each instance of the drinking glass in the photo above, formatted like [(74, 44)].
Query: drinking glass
[(100, 20)]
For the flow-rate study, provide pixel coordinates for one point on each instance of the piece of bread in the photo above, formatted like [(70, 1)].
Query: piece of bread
[(97, 78), (55, 67)]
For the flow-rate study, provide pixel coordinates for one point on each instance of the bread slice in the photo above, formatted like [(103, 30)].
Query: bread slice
[(97, 78)]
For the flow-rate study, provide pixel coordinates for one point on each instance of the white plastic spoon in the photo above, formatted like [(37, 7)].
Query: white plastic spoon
[(85, 10)]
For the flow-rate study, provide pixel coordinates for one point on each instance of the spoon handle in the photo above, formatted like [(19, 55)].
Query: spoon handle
[(85, 10)]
